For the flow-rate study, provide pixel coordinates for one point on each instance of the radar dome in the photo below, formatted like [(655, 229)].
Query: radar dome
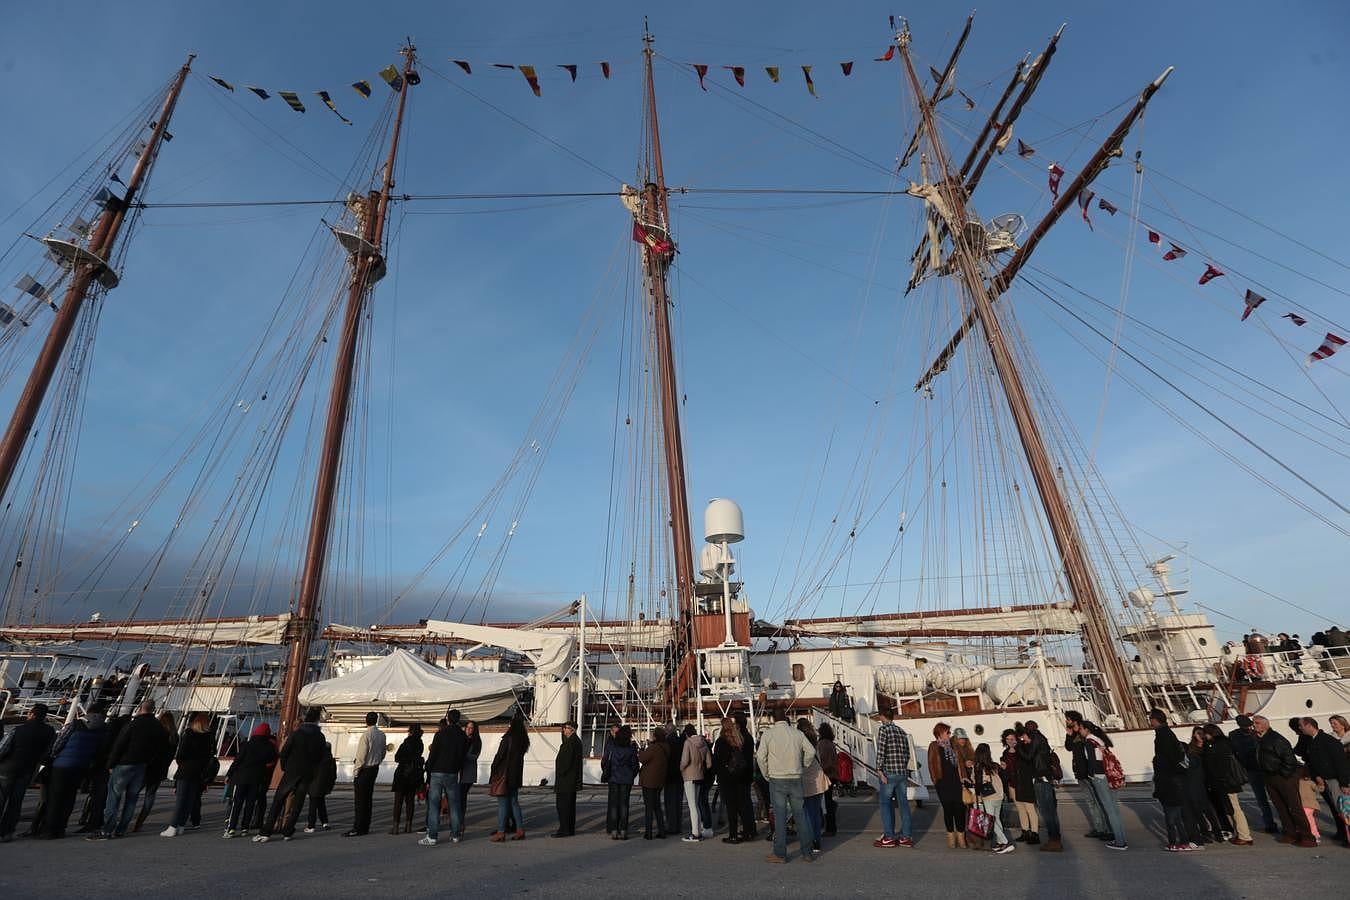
[(722, 521)]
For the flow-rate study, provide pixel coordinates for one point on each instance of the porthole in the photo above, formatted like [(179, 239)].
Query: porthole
[(1204, 642), (979, 729), (1308, 703), (1158, 647), (798, 672)]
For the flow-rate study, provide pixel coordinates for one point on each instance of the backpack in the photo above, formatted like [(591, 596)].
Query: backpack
[(1056, 770), (736, 761), (1115, 773), (845, 768)]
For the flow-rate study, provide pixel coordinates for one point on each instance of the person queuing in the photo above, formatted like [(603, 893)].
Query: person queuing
[(949, 764), (653, 758), (409, 767), (247, 777), (1034, 753), (157, 770), (734, 771), (195, 755), (828, 754), (621, 760), (674, 788), (325, 779), (508, 773), (1328, 769), (444, 772), (300, 758), (370, 750), (989, 793), (21, 752), (1244, 740), (783, 754), (1169, 786), (695, 760), (1225, 776), (814, 785), (567, 780), (138, 744), (468, 776), (1278, 764), (893, 757), (72, 756), (1020, 787), (1202, 819)]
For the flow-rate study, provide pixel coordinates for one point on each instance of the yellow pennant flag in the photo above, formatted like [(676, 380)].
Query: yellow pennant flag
[(328, 102), (532, 77), (773, 73)]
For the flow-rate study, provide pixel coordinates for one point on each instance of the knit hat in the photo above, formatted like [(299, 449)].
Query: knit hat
[(262, 728), (960, 733)]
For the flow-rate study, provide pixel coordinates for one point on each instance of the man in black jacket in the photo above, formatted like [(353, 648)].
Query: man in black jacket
[(674, 790), (445, 759), (1077, 729), (21, 751), (1244, 748), (1329, 768), (1277, 761), (1033, 749), (301, 756), (142, 741), (567, 780)]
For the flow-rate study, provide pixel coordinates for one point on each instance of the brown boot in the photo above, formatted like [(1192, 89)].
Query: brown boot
[(961, 840), (1052, 846), (519, 835), (951, 840), (497, 837)]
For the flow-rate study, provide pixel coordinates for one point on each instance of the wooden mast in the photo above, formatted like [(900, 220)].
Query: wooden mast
[(88, 265), (1082, 585), (656, 211), (367, 266)]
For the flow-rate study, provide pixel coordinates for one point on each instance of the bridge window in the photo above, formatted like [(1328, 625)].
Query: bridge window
[(798, 672)]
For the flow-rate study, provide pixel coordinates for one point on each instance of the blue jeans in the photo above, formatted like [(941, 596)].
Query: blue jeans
[(785, 794), (123, 786), (1110, 807), (1095, 812), (149, 792), (444, 784), (895, 787), (187, 791), (815, 811), (1257, 779), (1048, 807), (510, 804)]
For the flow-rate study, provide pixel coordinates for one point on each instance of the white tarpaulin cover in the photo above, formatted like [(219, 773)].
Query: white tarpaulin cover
[(404, 678)]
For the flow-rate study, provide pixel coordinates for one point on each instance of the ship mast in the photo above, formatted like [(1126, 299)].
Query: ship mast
[(367, 267), (88, 264), (655, 211), (950, 200)]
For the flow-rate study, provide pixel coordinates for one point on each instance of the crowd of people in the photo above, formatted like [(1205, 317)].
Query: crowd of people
[(793, 771)]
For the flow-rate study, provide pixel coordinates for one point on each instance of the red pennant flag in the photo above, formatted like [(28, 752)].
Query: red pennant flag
[(1211, 272), (1154, 237), (702, 72), (1253, 300), (1056, 173), (1330, 344), (1295, 318), (847, 67), (737, 72), (464, 64), (1106, 205), (604, 69), (571, 70), (810, 85), (887, 56), (1084, 200), (1024, 149), (1175, 253), (649, 240), (532, 78)]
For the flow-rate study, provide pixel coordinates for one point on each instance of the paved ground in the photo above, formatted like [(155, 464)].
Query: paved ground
[(200, 864)]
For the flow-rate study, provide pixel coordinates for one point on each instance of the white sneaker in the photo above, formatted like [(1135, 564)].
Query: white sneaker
[(455, 839), (309, 829), (171, 831), (228, 834), (427, 842), (260, 839)]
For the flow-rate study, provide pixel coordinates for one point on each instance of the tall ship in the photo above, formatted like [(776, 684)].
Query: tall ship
[(989, 575)]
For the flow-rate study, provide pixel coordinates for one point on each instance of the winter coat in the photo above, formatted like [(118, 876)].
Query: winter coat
[(725, 760), (141, 743), (302, 755), (1222, 769), (510, 761), (1084, 761), (963, 755), (473, 748), (674, 747), (1244, 747), (250, 767), (828, 754), (814, 781), (1169, 757), (655, 758), (1274, 756), (326, 776), (196, 750), (158, 769), (623, 763), (1326, 759), (695, 758), (408, 767), (25, 747), (78, 745), (567, 765), (447, 752)]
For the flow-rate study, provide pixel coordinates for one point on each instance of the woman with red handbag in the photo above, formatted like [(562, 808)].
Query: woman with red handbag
[(508, 773), (985, 815)]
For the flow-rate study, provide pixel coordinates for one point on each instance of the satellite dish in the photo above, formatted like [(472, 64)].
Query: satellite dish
[(1011, 223)]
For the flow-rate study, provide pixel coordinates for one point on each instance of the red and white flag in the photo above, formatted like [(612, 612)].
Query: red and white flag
[(1175, 253), (1211, 272), (1330, 344), (1253, 300), (1295, 318), (702, 71), (1056, 173), (1154, 237), (1084, 202)]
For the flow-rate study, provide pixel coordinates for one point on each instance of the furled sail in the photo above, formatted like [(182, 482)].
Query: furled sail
[(231, 632), (1005, 620)]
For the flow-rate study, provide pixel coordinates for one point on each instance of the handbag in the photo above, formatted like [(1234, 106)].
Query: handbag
[(967, 796), (979, 822), (497, 784)]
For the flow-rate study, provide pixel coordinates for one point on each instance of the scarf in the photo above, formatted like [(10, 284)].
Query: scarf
[(948, 751)]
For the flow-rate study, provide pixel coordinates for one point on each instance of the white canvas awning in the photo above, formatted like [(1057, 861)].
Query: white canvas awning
[(404, 678)]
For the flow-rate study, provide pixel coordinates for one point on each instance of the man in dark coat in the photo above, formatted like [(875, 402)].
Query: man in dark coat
[(445, 761), (567, 780), (674, 790), (1244, 748), (1277, 761), (141, 742), (301, 759), (1329, 768), (21, 752)]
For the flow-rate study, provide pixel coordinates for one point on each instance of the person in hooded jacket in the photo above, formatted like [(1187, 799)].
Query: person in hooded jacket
[(76, 748), (21, 752), (195, 752), (1203, 820), (622, 758), (300, 759), (247, 777), (695, 760), (1169, 785), (325, 779)]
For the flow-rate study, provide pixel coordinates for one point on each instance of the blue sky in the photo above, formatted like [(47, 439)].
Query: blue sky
[(770, 300)]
